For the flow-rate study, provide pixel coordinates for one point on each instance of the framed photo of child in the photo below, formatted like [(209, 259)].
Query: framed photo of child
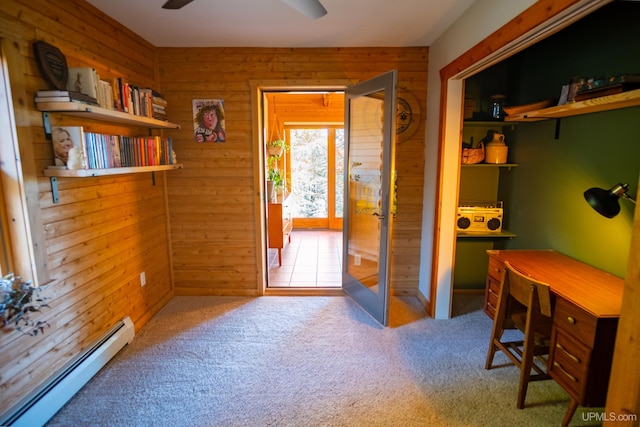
[(208, 120)]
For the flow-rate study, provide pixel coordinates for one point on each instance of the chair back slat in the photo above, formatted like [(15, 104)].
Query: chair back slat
[(520, 288)]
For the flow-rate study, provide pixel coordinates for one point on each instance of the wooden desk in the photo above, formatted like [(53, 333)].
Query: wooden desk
[(587, 304)]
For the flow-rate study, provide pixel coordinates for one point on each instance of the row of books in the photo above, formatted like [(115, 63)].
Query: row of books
[(76, 149), (85, 85)]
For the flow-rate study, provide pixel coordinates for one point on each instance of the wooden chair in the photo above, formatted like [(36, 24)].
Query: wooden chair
[(524, 304)]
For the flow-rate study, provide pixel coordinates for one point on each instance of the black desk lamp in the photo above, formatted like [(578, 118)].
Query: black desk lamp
[(605, 202)]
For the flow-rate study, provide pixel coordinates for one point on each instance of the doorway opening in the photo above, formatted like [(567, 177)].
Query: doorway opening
[(304, 212)]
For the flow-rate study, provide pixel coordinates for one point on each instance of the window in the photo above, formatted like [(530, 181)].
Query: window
[(317, 176), (17, 250)]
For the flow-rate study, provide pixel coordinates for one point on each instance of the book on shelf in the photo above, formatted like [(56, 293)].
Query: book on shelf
[(105, 95), (132, 99), (611, 86), (63, 96), (112, 94), (69, 147), (104, 151), (41, 100), (83, 80)]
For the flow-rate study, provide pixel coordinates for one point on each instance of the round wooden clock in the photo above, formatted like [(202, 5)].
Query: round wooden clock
[(407, 116)]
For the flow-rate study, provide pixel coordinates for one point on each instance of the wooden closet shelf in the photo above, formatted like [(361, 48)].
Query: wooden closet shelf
[(604, 103)]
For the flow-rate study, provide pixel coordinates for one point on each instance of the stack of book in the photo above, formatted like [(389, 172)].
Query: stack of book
[(43, 96), (611, 86), (156, 103), (132, 99)]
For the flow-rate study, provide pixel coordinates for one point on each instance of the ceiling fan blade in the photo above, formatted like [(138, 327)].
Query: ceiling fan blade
[(313, 9), (175, 4)]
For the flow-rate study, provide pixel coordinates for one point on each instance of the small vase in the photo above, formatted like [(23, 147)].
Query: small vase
[(496, 150), (271, 193)]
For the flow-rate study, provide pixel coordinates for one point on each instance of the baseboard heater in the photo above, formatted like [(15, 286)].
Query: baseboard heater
[(39, 406)]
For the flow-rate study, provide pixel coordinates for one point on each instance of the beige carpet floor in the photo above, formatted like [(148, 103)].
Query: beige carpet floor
[(310, 361)]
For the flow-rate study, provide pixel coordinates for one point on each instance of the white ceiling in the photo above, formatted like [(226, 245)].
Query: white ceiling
[(272, 23)]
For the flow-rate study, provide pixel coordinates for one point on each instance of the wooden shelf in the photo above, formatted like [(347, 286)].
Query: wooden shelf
[(486, 123), (80, 173), (490, 165), (502, 234), (97, 113), (604, 103)]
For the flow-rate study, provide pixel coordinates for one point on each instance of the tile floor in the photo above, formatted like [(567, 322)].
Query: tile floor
[(313, 259)]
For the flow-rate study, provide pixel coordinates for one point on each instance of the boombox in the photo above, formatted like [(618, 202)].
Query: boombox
[(479, 217)]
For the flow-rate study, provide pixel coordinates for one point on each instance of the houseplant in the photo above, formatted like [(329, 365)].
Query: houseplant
[(277, 147), (18, 301), (275, 176)]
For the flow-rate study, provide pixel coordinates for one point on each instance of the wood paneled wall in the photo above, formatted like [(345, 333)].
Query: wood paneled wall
[(104, 231), (211, 200)]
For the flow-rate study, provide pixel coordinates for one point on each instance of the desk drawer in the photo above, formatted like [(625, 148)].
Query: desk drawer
[(496, 268), (575, 321), (491, 296), (569, 363)]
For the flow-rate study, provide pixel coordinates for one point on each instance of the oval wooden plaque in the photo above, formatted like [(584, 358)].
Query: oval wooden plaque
[(52, 64)]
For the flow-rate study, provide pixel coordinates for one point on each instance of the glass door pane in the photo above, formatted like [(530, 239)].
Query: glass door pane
[(370, 112)]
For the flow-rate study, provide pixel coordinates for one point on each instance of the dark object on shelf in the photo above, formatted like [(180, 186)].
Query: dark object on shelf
[(52, 64), (497, 104), (606, 90), (618, 84)]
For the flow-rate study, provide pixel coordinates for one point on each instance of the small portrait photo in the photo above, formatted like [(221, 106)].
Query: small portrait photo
[(68, 146), (208, 120)]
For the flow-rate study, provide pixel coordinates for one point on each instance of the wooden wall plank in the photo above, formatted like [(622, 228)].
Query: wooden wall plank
[(105, 231), (225, 216)]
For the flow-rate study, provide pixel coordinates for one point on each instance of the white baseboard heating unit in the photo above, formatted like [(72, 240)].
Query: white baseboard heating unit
[(39, 406)]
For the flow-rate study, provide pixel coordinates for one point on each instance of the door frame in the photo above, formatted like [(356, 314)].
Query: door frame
[(258, 88), (540, 20)]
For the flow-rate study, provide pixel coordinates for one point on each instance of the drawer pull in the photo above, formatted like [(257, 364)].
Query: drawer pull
[(571, 377), (491, 292), (571, 320), (571, 356)]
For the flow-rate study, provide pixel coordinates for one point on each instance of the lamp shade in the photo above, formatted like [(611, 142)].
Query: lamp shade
[(605, 202)]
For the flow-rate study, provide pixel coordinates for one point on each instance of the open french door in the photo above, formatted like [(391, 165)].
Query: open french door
[(370, 130)]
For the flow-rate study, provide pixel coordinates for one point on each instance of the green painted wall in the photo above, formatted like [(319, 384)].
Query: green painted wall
[(543, 196), (544, 201)]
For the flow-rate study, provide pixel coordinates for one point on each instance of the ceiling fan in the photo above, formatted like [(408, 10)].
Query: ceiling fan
[(313, 9)]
